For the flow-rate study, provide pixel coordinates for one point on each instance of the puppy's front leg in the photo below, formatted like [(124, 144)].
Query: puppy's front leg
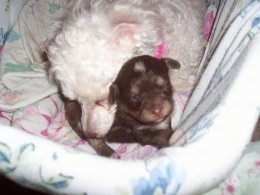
[(101, 147), (158, 138), (120, 134), (73, 115)]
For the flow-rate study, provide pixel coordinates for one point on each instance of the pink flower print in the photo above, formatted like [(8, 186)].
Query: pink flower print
[(255, 170), (44, 133), (30, 110), (60, 119), (11, 97), (230, 189), (4, 118), (231, 185), (78, 143), (257, 163), (121, 150), (253, 173)]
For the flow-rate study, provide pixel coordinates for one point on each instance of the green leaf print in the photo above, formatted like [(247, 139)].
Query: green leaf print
[(53, 8), (5, 153), (13, 36), (25, 148), (5, 158), (56, 181), (10, 67)]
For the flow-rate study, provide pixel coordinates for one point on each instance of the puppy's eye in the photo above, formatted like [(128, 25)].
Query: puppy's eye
[(135, 98), (166, 90)]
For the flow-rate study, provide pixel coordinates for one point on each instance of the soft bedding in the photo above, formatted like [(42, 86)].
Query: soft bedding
[(29, 101), (31, 104)]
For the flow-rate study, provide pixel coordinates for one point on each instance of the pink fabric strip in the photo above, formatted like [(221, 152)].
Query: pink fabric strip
[(160, 50)]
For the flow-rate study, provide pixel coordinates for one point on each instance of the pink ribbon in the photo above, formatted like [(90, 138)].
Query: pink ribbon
[(160, 50)]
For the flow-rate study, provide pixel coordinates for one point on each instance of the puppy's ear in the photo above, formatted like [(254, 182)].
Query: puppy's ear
[(172, 64), (113, 93)]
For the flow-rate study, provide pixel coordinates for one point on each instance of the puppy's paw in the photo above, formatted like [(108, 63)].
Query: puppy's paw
[(101, 147), (106, 151), (162, 139)]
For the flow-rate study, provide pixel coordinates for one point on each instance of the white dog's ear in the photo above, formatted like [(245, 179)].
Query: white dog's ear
[(113, 93), (124, 35)]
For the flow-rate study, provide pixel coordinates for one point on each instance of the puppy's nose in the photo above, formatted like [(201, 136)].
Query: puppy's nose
[(157, 111)]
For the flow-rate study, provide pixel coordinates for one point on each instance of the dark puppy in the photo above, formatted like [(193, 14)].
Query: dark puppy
[(144, 97)]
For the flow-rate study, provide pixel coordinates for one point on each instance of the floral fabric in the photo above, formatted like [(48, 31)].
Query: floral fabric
[(28, 100), (39, 150), (245, 177)]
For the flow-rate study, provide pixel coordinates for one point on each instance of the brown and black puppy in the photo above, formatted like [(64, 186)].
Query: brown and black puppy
[(143, 94)]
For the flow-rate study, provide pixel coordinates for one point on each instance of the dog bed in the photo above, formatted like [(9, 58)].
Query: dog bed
[(39, 150)]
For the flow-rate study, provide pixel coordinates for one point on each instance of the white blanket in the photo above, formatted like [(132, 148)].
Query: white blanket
[(217, 122)]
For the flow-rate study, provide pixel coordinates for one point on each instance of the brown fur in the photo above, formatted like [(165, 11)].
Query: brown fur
[(73, 115), (143, 94)]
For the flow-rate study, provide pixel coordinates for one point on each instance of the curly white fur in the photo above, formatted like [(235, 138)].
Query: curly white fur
[(98, 36)]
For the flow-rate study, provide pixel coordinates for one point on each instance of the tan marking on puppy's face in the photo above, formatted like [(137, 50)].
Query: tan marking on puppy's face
[(139, 67), (134, 89), (159, 80)]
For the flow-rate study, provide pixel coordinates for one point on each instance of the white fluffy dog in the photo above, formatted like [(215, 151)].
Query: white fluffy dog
[(98, 36)]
